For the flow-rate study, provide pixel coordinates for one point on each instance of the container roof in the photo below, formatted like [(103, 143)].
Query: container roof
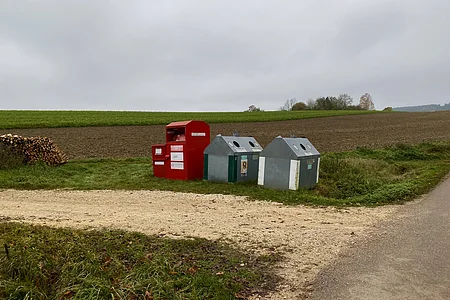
[(292, 148), (179, 123), (301, 146), (226, 145), (184, 123)]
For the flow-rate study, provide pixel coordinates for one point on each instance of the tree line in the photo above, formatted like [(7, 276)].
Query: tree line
[(341, 102), (423, 108)]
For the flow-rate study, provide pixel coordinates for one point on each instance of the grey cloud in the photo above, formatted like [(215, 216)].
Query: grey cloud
[(220, 55)]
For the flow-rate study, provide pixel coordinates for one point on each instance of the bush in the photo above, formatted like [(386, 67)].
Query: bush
[(299, 106)]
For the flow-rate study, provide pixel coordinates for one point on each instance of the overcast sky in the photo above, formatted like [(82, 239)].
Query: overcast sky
[(214, 55)]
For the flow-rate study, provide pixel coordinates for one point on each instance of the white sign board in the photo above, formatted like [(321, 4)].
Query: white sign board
[(177, 166), (176, 147), (177, 156)]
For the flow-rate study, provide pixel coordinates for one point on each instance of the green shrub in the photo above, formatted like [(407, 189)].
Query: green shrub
[(300, 106)]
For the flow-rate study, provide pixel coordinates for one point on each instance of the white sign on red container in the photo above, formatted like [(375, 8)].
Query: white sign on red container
[(177, 166), (177, 156), (198, 134), (176, 147)]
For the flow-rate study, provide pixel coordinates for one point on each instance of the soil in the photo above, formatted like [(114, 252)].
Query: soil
[(309, 238), (326, 134)]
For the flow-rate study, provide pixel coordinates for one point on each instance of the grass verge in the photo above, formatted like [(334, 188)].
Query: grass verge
[(19, 119), (360, 177), (46, 263)]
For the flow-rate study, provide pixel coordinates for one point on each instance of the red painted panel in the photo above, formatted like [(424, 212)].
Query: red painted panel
[(159, 160), (183, 151)]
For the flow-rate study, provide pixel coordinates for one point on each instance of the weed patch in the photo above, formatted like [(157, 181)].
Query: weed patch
[(47, 263)]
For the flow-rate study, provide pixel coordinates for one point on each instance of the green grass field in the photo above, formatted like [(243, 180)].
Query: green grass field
[(15, 119), (360, 177)]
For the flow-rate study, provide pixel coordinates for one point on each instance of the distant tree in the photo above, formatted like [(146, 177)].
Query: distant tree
[(288, 104), (343, 101), (389, 109), (326, 103), (300, 106), (366, 102), (321, 103), (254, 108), (311, 103)]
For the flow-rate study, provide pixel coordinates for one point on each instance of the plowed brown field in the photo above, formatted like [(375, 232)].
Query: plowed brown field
[(327, 134)]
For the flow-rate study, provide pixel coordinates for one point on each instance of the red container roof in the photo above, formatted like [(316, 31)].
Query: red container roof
[(182, 123), (179, 124)]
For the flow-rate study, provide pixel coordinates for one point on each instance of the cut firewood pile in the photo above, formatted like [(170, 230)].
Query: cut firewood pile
[(33, 149)]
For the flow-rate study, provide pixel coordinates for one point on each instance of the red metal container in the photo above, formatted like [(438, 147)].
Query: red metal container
[(185, 143), (159, 160)]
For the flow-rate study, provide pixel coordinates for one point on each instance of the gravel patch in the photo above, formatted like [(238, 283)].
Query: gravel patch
[(310, 238)]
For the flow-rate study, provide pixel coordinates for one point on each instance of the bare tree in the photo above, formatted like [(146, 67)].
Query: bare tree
[(366, 102), (311, 103), (288, 104)]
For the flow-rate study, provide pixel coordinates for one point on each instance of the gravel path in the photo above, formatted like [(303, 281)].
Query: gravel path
[(310, 238)]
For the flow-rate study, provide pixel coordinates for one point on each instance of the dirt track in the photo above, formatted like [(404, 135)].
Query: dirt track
[(326, 134), (310, 238)]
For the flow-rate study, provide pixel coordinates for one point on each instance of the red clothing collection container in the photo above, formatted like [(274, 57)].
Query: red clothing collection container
[(182, 155)]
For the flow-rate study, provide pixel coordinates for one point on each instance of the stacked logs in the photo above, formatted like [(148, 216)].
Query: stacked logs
[(34, 149)]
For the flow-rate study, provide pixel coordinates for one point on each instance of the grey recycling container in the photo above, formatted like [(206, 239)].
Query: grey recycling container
[(231, 159), (289, 164)]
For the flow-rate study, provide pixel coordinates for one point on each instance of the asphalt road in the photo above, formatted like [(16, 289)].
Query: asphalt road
[(408, 259)]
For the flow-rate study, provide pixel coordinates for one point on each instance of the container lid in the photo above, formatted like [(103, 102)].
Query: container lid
[(226, 145), (301, 147), (292, 148)]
